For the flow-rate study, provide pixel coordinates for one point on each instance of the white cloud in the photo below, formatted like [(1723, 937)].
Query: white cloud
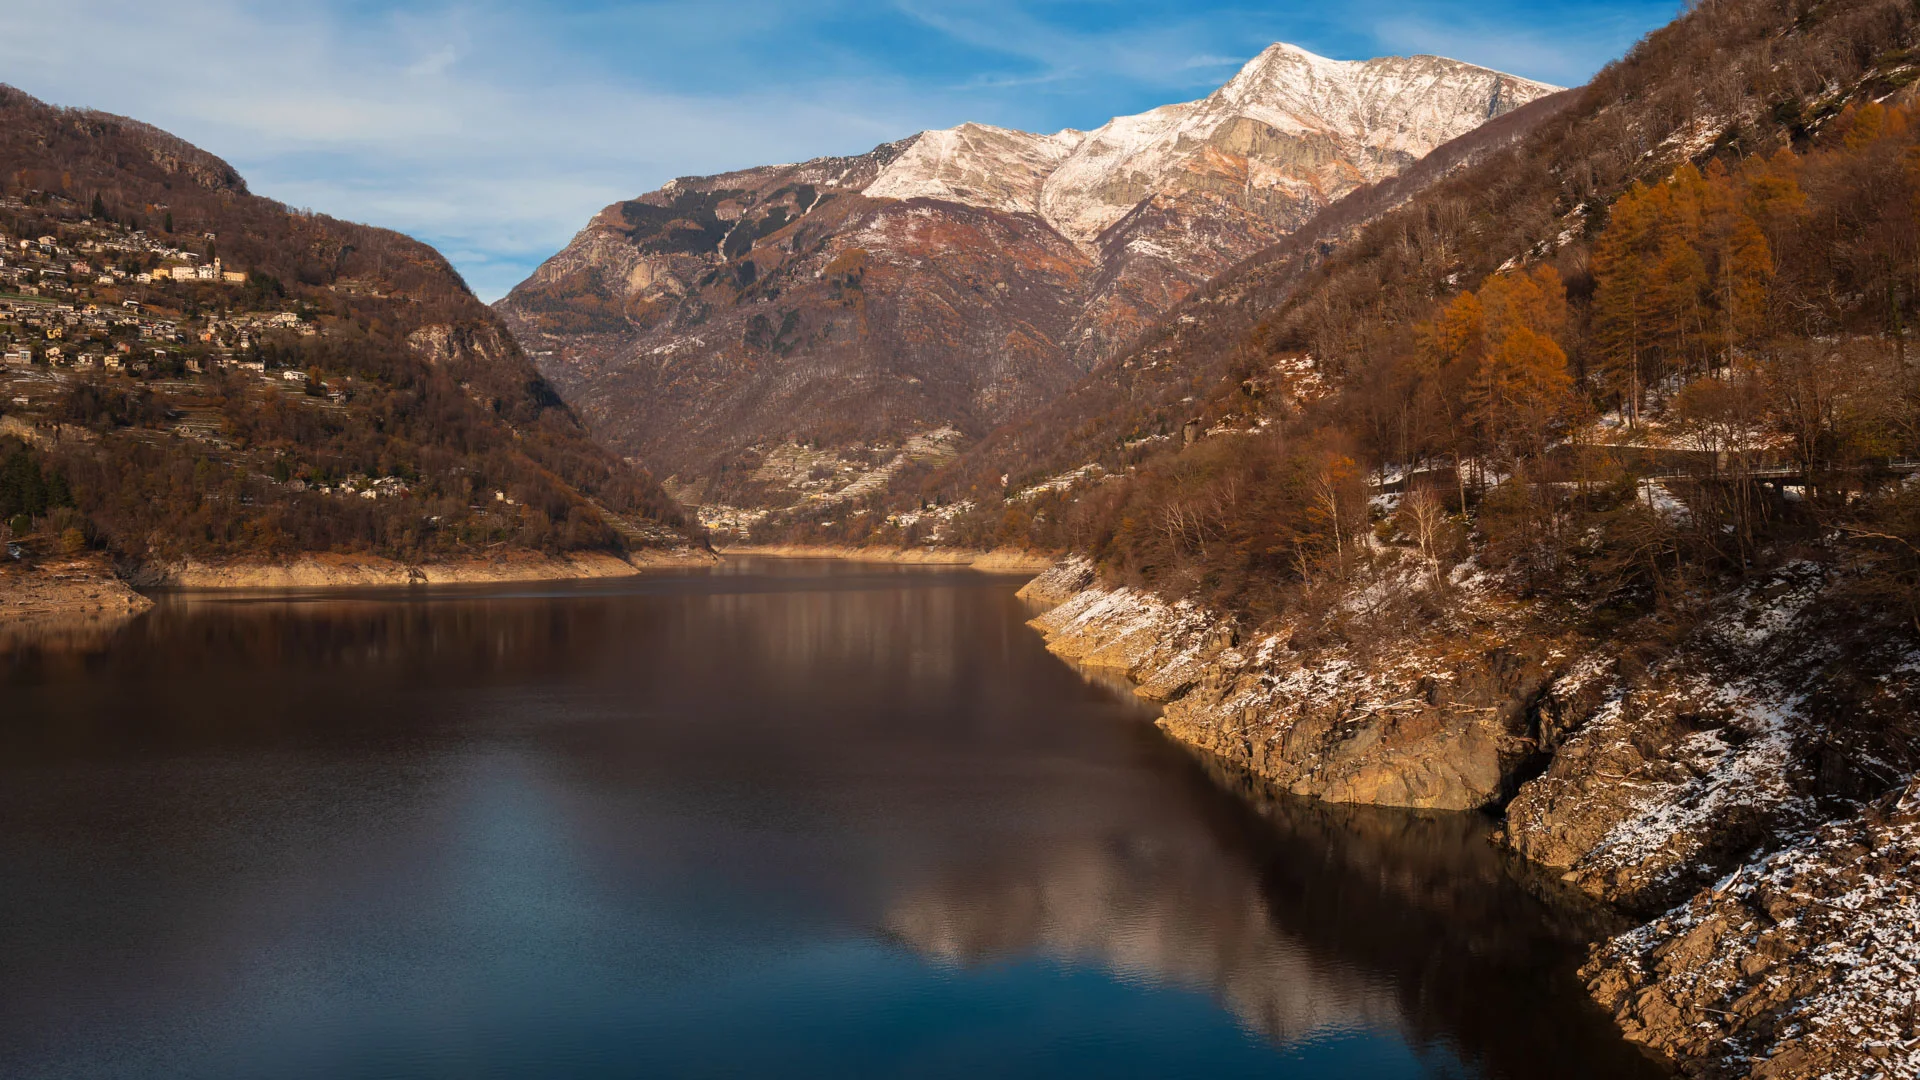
[(494, 131), (1162, 53), (470, 129), (435, 63)]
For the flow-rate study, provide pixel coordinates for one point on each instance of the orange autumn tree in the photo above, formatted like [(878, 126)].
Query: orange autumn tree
[(1523, 389), (1497, 357), (1450, 349), (1683, 273)]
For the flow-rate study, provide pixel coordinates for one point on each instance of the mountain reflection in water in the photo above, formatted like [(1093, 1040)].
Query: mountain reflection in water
[(793, 818)]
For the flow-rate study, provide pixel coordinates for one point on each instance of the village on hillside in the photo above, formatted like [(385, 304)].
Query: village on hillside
[(93, 296), (100, 321)]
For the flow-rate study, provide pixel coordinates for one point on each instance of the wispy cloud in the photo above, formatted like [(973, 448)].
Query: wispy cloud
[(1579, 43), (1155, 50), (498, 144), (495, 129), (435, 63)]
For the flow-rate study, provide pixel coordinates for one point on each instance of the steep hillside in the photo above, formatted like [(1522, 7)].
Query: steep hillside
[(198, 373), (1320, 310), (1580, 489), (953, 280), (1145, 393)]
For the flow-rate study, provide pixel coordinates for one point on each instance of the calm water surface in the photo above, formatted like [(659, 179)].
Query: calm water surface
[(781, 819)]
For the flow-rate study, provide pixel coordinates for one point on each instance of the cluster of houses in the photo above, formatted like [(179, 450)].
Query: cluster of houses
[(32, 263), (57, 313), (122, 358), (49, 263), (214, 273), (386, 487)]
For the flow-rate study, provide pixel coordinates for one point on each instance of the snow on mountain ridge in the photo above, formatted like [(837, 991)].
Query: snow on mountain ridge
[(1291, 126), (1374, 99), (978, 165)]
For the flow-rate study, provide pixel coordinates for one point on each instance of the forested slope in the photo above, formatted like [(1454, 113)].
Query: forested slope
[(196, 371), (1327, 345)]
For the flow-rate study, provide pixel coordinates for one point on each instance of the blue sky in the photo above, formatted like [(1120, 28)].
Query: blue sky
[(494, 130)]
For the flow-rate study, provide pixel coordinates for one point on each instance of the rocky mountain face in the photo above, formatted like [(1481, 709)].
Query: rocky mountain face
[(956, 278)]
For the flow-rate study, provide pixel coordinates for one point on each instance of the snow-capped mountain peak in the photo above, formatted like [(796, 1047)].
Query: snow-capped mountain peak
[(957, 277), (1291, 131)]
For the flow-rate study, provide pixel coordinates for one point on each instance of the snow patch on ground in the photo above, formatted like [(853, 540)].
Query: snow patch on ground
[(1747, 766), (1060, 482), (1804, 962)]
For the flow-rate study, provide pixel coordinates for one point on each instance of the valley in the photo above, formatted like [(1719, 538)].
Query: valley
[(1507, 492)]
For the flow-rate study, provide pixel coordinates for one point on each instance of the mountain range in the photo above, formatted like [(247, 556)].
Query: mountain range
[(744, 331)]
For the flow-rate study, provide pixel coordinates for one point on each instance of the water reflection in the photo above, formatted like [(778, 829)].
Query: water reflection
[(1303, 918), (790, 819), (61, 634)]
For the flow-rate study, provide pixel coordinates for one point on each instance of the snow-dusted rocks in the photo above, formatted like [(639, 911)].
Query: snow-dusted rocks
[(1717, 748), (1804, 962), (1440, 722), (1730, 785)]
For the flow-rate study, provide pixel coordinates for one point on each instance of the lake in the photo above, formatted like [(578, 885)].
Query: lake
[(782, 818)]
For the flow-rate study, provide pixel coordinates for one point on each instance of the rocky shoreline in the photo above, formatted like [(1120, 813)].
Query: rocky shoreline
[(1435, 726), (63, 599), (324, 570), (1708, 794), (1001, 560)]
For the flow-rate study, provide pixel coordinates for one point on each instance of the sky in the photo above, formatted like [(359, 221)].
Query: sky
[(495, 130)]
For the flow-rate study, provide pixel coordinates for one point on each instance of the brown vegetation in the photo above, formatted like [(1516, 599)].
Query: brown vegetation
[(428, 390)]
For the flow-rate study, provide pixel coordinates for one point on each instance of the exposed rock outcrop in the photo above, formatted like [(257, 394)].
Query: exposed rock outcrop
[(1777, 708), (1731, 788), (1802, 963), (1442, 722), (66, 590)]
